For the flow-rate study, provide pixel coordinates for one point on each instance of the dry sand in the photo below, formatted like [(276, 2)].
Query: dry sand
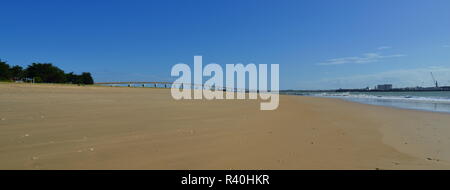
[(71, 127)]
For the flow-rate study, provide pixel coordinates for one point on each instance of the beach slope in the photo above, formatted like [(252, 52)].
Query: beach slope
[(76, 127)]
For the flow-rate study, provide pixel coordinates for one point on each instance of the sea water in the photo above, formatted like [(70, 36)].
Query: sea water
[(438, 101)]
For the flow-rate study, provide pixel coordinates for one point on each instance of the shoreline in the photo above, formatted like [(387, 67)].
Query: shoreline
[(420, 102), (394, 107), (90, 127)]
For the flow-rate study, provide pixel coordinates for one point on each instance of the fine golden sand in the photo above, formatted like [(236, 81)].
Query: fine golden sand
[(72, 127)]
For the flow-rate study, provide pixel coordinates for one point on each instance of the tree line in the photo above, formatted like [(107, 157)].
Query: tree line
[(42, 73)]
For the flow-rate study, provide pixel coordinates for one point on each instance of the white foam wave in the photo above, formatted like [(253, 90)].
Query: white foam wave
[(383, 97)]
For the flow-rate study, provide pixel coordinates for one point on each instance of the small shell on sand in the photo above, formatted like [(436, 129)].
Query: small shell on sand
[(3, 119), (91, 149)]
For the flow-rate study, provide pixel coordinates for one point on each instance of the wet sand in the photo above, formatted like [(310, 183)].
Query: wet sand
[(72, 127)]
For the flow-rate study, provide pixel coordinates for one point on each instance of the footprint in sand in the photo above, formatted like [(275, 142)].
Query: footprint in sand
[(432, 159), (187, 132)]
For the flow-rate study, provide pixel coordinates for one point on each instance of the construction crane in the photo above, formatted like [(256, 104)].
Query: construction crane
[(434, 80)]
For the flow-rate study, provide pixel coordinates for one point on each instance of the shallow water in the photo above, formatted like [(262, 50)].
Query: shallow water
[(425, 101)]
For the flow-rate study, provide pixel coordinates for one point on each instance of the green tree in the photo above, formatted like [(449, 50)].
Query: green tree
[(5, 74), (72, 78), (38, 80), (86, 78), (42, 72), (16, 72), (46, 72)]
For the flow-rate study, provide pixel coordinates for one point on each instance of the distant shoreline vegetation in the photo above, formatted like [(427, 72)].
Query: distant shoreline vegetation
[(42, 73)]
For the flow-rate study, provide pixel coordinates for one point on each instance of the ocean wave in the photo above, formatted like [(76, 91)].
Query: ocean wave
[(407, 98)]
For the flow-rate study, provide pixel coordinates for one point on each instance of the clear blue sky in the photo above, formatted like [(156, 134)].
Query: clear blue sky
[(318, 43)]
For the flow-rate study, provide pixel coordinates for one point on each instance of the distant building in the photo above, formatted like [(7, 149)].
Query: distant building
[(384, 87)]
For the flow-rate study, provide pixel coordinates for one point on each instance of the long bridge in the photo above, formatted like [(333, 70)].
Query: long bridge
[(168, 85), (155, 84), (106, 83)]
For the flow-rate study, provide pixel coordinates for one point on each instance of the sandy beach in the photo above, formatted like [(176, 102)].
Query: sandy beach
[(88, 127)]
